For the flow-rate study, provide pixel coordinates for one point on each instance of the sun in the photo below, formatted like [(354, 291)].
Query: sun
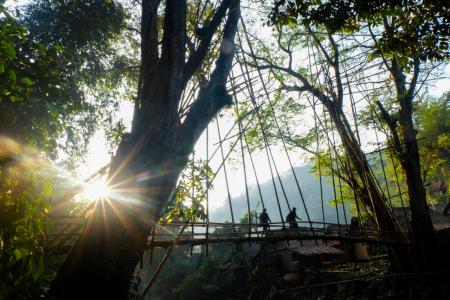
[(96, 190)]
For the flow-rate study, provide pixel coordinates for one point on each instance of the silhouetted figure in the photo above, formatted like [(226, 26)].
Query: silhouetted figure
[(264, 218), (354, 226), (446, 208), (292, 215), (354, 223)]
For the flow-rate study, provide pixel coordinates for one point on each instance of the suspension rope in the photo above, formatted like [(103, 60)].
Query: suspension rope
[(245, 171), (248, 149), (266, 143), (226, 177), (339, 176), (276, 122)]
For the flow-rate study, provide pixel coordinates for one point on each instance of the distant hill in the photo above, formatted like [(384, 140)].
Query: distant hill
[(310, 188)]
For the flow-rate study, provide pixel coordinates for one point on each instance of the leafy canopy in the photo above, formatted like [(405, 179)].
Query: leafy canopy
[(419, 28)]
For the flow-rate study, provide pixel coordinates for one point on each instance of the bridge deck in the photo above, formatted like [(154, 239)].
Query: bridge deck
[(238, 233)]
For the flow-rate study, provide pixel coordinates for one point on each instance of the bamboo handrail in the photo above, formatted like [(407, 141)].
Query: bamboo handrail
[(60, 239), (59, 234)]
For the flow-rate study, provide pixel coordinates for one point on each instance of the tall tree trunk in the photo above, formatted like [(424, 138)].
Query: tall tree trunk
[(409, 157), (150, 159)]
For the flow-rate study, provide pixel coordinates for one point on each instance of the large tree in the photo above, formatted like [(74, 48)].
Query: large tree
[(151, 157)]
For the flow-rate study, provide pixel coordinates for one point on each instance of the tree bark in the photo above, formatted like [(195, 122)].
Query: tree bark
[(150, 159), (409, 158)]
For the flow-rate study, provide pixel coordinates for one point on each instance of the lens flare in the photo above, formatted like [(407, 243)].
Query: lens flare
[(96, 190)]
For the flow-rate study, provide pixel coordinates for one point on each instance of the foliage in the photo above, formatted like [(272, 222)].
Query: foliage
[(25, 192), (34, 106), (291, 125), (254, 216), (191, 192), (421, 27), (433, 120), (102, 73), (208, 282)]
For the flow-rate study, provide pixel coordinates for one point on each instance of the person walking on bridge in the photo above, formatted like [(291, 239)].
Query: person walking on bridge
[(292, 215), (264, 219)]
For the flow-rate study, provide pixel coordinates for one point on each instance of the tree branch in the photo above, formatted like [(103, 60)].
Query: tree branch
[(319, 44), (294, 143), (288, 51), (133, 29), (392, 123), (197, 57), (337, 74), (213, 97), (412, 86)]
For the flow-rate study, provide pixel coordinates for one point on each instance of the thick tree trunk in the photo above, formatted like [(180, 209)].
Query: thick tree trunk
[(370, 196), (409, 157), (408, 154), (148, 161)]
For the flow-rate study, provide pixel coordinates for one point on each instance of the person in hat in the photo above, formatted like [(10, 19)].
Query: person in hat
[(264, 219)]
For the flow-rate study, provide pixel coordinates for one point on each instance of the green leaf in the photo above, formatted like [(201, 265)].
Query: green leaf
[(24, 252), (11, 19), (17, 13), (37, 267), (38, 47), (47, 191), (12, 52), (58, 48), (47, 149), (52, 108), (47, 205), (236, 112), (2, 69), (16, 254), (12, 75), (27, 81), (34, 227)]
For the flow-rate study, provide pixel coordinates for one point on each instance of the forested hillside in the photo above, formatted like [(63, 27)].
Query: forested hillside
[(310, 188)]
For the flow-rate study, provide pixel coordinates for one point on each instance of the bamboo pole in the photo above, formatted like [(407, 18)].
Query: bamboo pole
[(150, 260)]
